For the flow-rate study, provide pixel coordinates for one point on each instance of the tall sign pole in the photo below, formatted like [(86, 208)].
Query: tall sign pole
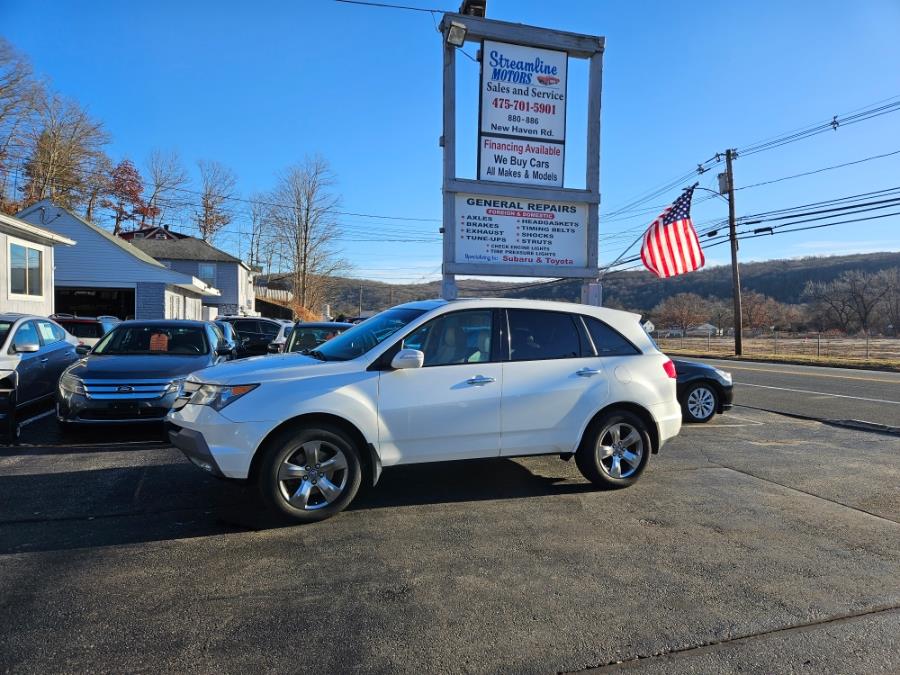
[(735, 271), (517, 218)]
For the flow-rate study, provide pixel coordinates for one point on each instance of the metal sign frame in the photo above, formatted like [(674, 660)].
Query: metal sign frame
[(576, 46)]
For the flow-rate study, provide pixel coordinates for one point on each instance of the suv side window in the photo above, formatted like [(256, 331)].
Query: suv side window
[(536, 335), (48, 332), (608, 341), (459, 337), (270, 330), (246, 327)]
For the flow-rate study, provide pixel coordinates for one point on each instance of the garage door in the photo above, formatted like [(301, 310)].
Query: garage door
[(118, 302)]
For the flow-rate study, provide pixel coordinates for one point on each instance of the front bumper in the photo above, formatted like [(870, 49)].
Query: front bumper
[(79, 409), (194, 447), (230, 445), (726, 401)]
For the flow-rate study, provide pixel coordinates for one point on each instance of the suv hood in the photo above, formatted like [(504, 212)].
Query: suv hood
[(119, 367), (259, 369)]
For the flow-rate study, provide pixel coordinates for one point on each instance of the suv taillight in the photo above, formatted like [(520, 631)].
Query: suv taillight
[(669, 367)]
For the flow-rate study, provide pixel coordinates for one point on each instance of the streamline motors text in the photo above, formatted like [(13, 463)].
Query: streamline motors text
[(518, 72)]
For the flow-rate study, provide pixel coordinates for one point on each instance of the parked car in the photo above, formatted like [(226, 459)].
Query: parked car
[(425, 382), (88, 330), (134, 373), (256, 333), (229, 336), (309, 335), (703, 390), (34, 351)]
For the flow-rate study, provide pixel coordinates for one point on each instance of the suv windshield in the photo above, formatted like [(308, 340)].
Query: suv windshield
[(370, 333), (183, 340)]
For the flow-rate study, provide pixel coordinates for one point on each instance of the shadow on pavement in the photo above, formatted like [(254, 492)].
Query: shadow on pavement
[(114, 506)]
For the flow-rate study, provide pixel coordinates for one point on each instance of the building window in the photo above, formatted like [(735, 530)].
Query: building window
[(25, 270), (207, 273)]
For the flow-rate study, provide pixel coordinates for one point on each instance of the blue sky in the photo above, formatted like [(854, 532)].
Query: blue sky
[(260, 85)]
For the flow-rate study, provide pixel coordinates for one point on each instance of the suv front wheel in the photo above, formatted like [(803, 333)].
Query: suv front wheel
[(615, 450), (310, 474)]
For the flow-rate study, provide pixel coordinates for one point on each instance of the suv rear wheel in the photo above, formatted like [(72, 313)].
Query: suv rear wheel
[(615, 449), (310, 474)]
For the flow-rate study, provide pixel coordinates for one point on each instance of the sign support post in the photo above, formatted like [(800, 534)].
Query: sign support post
[(518, 219)]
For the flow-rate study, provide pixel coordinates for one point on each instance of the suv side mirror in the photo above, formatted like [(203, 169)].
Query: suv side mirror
[(408, 358), (224, 349), (81, 350), (273, 348), (23, 347)]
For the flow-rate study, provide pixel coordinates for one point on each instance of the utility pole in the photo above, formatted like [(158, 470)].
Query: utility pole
[(735, 272)]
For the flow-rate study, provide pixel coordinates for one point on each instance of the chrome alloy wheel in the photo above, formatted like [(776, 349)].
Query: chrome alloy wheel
[(620, 448), (701, 403), (313, 475)]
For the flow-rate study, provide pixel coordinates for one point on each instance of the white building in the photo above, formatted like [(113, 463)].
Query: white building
[(27, 266)]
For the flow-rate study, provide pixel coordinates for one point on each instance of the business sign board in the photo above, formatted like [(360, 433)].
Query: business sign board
[(508, 232), (516, 160), (523, 91)]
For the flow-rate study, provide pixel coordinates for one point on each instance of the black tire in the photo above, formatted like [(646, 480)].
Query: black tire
[(600, 469), (275, 491), (704, 393)]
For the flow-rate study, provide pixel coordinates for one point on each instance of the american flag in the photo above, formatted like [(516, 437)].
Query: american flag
[(670, 245)]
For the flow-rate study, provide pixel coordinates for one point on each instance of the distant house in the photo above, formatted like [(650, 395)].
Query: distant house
[(703, 330), (26, 266), (103, 274), (151, 232), (193, 256)]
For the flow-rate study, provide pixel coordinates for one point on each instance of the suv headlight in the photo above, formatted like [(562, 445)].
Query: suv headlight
[(71, 384), (218, 396), (724, 375)]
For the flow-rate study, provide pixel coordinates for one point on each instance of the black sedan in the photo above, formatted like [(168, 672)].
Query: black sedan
[(703, 390), (135, 372)]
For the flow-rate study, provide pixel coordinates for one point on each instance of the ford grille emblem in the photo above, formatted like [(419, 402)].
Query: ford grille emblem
[(125, 389)]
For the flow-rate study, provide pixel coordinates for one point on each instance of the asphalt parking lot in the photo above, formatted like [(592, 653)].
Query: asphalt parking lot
[(756, 543)]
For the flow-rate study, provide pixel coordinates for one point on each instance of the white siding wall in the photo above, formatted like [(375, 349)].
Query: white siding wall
[(42, 305), (182, 305)]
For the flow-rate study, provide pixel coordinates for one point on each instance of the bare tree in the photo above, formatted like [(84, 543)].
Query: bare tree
[(890, 304), (304, 215), (721, 313), (829, 306), (166, 178), (263, 243), (682, 311), (757, 309), (217, 189), (64, 145), (864, 294), (19, 94), (97, 185)]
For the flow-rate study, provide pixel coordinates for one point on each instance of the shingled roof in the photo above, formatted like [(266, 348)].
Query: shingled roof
[(189, 248)]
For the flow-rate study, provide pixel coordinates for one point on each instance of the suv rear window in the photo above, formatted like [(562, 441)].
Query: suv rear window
[(83, 329), (608, 341)]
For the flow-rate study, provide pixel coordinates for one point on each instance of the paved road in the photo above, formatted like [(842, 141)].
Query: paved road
[(821, 393), (745, 548)]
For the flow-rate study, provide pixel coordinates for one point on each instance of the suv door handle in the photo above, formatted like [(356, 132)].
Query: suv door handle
[(45, 359), (587, 372), (479, 380)]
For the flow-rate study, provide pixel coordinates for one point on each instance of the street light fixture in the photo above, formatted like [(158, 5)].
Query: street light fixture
[(456, 34)]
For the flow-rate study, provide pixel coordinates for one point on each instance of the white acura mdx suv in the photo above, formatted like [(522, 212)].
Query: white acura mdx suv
[(429, 382)]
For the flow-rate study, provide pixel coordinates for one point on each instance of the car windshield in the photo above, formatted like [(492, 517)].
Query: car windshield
[(154, 340), (4, 330), (365, 336)]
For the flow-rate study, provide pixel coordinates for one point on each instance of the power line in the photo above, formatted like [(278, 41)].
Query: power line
[(826, 168), (384, 5)]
